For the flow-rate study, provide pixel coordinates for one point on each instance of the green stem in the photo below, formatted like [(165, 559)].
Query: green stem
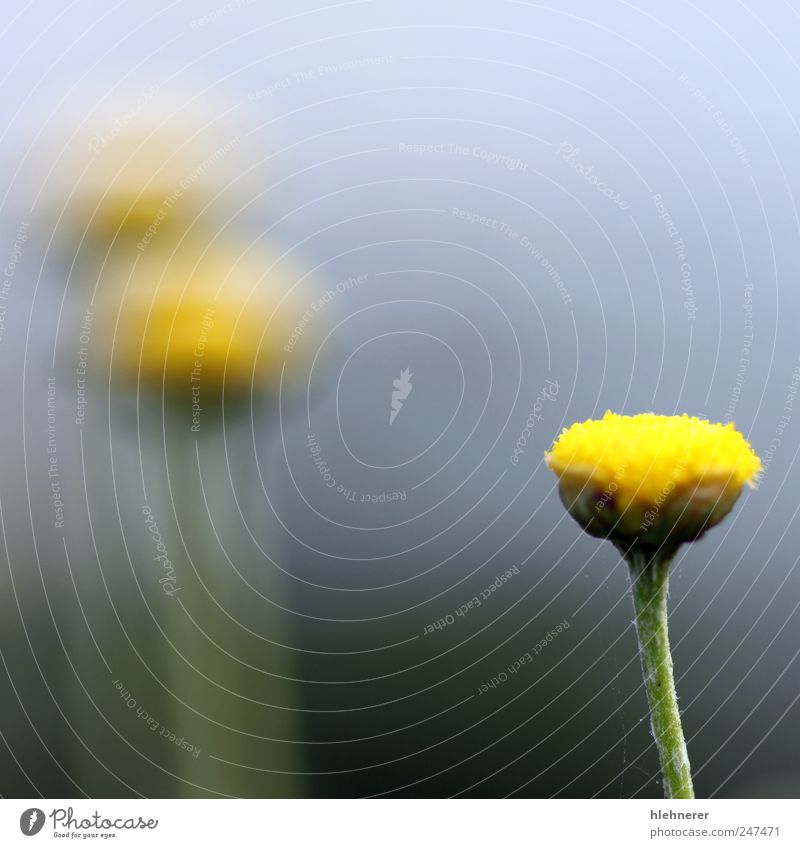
[(649, 586)]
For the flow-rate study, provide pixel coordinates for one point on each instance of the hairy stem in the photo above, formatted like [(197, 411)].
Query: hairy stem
[(649, 586)]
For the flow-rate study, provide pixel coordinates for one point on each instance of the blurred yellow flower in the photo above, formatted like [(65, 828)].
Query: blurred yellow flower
[(198, 316), (138, 168), (655, 479)]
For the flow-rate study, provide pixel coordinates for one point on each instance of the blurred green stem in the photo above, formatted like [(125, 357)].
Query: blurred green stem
[(238, 715), (650, 587)]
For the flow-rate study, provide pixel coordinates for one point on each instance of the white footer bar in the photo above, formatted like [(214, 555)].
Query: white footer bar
[(400, 823)]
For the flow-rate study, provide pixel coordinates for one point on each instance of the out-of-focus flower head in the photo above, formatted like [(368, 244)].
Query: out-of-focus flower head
[(651, 480), (207, 314), (143, 166)]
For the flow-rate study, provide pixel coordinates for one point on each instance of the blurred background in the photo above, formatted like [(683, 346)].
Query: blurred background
[(294, 298)]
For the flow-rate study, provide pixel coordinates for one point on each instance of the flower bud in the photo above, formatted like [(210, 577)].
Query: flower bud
[(651, 480)]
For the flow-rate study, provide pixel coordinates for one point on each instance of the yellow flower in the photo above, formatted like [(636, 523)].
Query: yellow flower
[(198, 316), (656, 480), (145, 168)]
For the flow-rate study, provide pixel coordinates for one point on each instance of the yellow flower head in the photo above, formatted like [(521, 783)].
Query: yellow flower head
[(657, 480), (200, 316), (142, 168)]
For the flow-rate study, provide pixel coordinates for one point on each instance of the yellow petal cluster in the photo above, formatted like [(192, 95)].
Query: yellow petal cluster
[(129, 175), (190, 319), (143, 197), (658, 478)]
